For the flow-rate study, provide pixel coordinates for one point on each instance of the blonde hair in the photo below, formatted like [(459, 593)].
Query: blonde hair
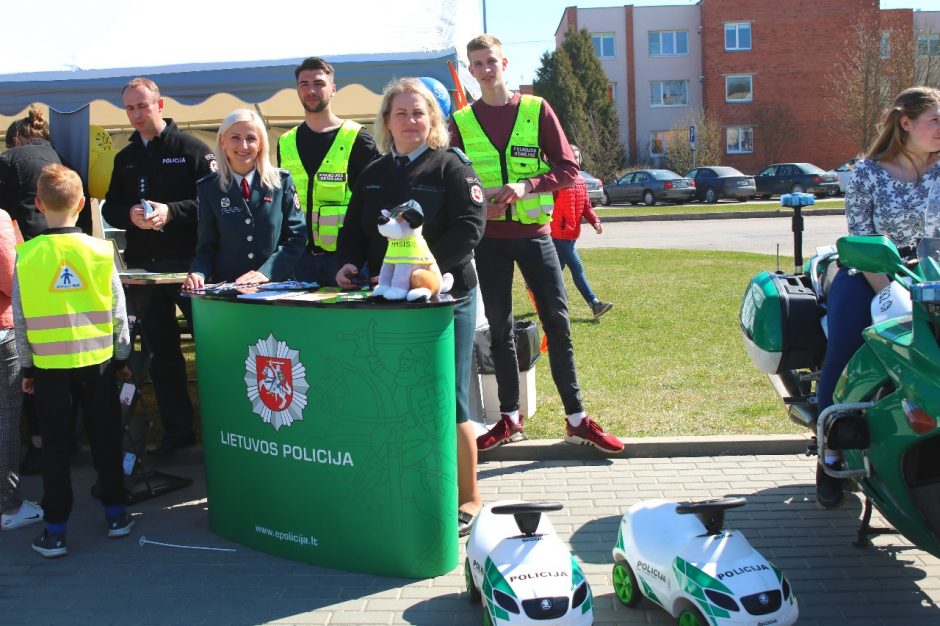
[(270, 176), (59, 189), (910, 103), (484, 42), (438, 137)]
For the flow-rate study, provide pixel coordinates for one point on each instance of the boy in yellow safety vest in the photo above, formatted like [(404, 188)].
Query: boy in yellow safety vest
[(72, 339)]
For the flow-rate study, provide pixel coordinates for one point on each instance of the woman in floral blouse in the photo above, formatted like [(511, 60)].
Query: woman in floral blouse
[(887, 195)]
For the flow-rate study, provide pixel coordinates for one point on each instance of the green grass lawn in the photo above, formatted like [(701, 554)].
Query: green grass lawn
[(667, 360)]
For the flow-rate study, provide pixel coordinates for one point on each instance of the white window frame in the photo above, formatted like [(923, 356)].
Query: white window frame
[(599, 47), (662, 136), (738, 26), (927, 42), (750, 79), (675, 39), (661, 103), (741, 131), (884, 48)]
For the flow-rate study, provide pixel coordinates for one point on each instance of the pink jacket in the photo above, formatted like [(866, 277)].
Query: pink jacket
[(7, 261)]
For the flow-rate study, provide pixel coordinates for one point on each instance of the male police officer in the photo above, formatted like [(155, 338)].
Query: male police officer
[(160, 165), (506, 136), (324, 156)]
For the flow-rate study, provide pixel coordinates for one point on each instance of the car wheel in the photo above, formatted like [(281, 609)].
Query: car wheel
[(796, 188), (691, 616), (711, 196), (648, 198), (625, 584), (605, 199), (473, 594)]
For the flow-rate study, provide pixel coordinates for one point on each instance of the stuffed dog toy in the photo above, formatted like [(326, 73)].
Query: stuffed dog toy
[(409, 271)]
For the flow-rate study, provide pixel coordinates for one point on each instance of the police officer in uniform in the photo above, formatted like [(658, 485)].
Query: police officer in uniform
[(250, 225), (160, 165), (325, 156)]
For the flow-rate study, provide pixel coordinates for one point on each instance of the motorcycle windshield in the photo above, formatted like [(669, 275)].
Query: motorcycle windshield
[(928, 256)]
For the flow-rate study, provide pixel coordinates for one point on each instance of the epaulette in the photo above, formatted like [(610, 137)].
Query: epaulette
[(460, 154)]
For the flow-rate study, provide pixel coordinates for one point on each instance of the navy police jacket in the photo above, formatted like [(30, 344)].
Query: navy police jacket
[(264, 233)]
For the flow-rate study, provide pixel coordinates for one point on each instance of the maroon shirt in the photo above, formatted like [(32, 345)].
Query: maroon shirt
[(497, 122)]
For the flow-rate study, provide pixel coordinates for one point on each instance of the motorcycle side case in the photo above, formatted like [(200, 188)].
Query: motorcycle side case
[(780, 321)]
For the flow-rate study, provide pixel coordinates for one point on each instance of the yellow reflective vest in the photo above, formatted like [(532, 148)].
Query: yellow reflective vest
[(65, 291), (520, 160), (326, 206)]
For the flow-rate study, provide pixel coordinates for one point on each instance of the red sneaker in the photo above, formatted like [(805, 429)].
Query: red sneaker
[(589, 433), (502, 432)]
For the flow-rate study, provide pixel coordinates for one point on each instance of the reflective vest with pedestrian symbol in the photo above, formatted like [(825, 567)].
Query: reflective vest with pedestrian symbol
[(327, 199), (520, 160), (65, 291)]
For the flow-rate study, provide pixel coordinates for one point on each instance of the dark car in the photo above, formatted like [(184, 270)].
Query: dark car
[(649, 187), (595, 188), (781, 178), (717, 181)]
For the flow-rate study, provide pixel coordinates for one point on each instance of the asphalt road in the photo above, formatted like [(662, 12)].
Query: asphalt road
[(761, 235)]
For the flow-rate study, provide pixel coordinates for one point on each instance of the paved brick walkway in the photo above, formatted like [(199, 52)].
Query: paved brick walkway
[(108, 581)]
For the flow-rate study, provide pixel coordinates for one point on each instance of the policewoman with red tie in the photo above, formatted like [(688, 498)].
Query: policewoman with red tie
[(250, 227)]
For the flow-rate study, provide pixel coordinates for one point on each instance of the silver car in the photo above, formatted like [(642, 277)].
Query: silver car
[(595, 188), (650, 187)]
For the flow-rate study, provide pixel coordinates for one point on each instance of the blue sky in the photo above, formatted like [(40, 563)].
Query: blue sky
[(527, 27)]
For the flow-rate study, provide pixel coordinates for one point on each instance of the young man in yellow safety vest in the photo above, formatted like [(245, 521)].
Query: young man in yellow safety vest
[(324, 156), (72, 338), (521, 155)]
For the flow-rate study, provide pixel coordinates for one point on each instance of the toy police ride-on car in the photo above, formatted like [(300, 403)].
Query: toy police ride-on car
[(522, 571), (678, 556)]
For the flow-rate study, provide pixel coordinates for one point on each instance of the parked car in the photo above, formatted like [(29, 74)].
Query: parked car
[(595, 188), (649, 187), (781, 178), (717, 181), (844, 172)]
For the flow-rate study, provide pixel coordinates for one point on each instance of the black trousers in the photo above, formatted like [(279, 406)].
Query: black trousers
[(168, 367), (538, 261), (56, 391)]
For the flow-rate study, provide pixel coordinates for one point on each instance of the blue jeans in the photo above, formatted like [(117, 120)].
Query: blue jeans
[(496, 260), (568, 256), (849, 313), (465, 317)]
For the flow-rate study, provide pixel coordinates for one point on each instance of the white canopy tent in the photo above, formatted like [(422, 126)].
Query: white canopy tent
[(82, 54)]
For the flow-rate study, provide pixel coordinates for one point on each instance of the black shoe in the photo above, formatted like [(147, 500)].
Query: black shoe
[(50, 544), (829, 493), (120, 526), (598, 308), (32, 461), (171, 445)]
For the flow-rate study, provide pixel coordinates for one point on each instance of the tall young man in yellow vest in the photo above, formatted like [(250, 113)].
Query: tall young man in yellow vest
[(521, 154), (72, 338), (324, 156)]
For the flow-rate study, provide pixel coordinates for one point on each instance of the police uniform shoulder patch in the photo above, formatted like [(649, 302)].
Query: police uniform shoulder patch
[(460, 154), (213, 166), (476, 192), (293, 192)]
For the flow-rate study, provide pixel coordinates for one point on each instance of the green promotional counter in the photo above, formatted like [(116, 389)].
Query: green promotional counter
[(328, 431)]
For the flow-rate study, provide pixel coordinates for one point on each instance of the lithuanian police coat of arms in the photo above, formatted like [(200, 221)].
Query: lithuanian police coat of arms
[(277, 388)]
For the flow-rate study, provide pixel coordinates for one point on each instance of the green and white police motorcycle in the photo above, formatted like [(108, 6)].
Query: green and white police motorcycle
[(887, 401)]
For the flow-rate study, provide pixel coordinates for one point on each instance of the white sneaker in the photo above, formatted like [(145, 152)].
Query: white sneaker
[(29, 513)]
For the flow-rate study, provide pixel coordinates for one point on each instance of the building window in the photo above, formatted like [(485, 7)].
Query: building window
[(658, 139), (603, 45), (669, 93), (928, 45), (738, 88), (668, 43), (738, 36), (739, 139), (885, 49)]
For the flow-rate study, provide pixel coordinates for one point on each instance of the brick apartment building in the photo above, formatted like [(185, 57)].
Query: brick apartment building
[(733, 58)]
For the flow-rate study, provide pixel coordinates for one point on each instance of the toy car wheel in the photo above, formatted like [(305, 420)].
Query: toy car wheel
[(692, 617), (625, 584), (473, 594)]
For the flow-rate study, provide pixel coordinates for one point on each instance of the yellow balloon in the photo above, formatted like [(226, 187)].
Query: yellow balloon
[(99, 174), (99, 142)]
